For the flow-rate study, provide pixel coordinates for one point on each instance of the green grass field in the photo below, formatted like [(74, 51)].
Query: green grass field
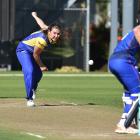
[(102, 90), (91, 89)]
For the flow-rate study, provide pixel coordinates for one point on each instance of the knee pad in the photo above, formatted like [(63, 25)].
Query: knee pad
[(126, 98), (134, 96)]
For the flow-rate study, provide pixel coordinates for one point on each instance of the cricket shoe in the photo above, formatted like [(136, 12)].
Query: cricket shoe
[(122, 130), (30, 103)]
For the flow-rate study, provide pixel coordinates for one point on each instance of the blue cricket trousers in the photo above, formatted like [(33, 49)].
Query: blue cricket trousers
[(31, 71), (125, 72)]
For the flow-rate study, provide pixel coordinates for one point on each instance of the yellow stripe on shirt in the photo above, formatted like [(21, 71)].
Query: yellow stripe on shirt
[(38, 42)]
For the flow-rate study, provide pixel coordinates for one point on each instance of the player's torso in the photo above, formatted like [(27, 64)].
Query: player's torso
[(126, 49), (38, 39), (128, 43)]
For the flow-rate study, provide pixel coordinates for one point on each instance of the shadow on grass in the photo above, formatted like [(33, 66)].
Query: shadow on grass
[(11, 97), (67, 104)]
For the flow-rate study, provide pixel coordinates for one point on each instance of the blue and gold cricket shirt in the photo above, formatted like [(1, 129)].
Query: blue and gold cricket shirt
[(36, 39)]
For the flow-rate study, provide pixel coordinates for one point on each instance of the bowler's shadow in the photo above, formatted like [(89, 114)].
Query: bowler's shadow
[(67, 104)]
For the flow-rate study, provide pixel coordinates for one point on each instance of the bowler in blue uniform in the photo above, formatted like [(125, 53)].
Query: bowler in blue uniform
[(123, 64), (28, 53)]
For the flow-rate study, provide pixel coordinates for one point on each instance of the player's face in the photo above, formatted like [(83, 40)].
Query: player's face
[(54, 35)]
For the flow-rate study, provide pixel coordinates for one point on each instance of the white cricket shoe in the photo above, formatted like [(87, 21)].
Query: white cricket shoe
[(30, 103), (122, 130)]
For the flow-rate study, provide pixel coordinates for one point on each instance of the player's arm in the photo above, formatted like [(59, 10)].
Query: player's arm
[(137, 33), (39, 21), (36, 55)]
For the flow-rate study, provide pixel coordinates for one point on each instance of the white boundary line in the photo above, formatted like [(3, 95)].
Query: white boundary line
[(59, 75)]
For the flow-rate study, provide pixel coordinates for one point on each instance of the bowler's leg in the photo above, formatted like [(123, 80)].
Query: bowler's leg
[(31, 71)]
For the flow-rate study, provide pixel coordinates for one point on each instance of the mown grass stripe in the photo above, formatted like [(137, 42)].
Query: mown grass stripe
[(59, 75)]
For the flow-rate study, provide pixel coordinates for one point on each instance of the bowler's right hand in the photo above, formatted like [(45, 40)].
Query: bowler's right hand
[(34, 14), (44, 68)]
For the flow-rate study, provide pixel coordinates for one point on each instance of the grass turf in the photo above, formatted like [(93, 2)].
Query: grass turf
[(104, 91), (94, 90)]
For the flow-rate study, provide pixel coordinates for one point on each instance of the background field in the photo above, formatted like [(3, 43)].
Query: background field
[(68, 107)]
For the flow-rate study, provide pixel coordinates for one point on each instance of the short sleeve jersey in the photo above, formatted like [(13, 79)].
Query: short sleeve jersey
[(36, 39)]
